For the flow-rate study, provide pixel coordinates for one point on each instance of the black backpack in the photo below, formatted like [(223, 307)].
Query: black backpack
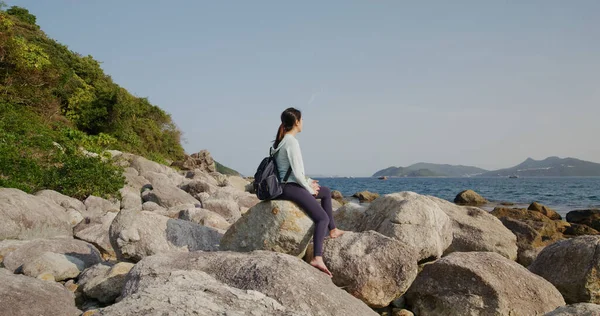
[(266, 179)]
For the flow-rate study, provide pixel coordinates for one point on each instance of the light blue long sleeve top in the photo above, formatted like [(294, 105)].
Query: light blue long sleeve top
[(288, 154)]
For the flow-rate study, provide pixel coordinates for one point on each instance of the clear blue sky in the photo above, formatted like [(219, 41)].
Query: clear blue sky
[(380, 83)]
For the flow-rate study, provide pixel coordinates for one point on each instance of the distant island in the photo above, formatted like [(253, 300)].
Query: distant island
[(549, 167), (430, 170)]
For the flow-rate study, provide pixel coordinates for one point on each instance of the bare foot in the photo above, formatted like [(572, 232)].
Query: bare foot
[(335, 233), (318, 263)]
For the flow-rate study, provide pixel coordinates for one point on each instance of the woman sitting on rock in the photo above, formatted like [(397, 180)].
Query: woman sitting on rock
[(300, 189)]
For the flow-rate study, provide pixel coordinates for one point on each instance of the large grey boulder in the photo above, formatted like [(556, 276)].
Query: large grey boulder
[(238, 182), (294, 284), (153, 207), (8, 245), (191, 293), (590, 218), (529, 240), (349, 216), (143, 165), (136, 234), (66, 202), (572, 266), (469, 197), (60, 266), (155, 173), (581, 309), (204, 217), (480, 283), (201, 161), (155, 178), (198, 174), (550, 230), (98, 207), (173, 211), (222, 180), (167, 196), (134, 180), (243, 199), (25, 216), (130, 198), (95, 231), (229, 209), (104, 282), (279, 226), (477, 230), (32, 250), (24, 296), (412, 219), (197, 186), (372, 267)]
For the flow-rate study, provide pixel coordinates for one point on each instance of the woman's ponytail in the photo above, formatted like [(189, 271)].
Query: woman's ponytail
[(280, 134)]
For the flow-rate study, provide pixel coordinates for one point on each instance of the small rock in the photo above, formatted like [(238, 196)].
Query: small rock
[(537, 207), (71, 286), (103, 282), (469, 197), (365, 196), (580, 230), (401, 312)]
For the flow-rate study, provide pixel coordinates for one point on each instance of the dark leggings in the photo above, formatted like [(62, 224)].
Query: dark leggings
[(322, 214)]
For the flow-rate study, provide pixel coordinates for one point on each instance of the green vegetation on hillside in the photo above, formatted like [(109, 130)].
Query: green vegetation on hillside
[(225, 170), (49, 94)]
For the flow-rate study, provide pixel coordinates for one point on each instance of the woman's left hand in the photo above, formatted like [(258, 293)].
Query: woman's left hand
[(315, 186)]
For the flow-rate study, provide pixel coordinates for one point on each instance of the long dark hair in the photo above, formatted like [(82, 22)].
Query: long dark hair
[(289, 117)]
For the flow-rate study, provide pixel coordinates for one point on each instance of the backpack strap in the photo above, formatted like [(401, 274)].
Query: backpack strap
[(287, 174)]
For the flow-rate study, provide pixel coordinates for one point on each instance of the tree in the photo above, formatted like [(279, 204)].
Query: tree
[(23, 14)]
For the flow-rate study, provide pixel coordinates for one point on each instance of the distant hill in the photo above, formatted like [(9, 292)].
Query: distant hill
[(549, 167), (448, 170), (430, 170), (405, 172)]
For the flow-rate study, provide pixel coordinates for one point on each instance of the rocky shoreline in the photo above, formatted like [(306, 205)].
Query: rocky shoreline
[(191, 241)]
